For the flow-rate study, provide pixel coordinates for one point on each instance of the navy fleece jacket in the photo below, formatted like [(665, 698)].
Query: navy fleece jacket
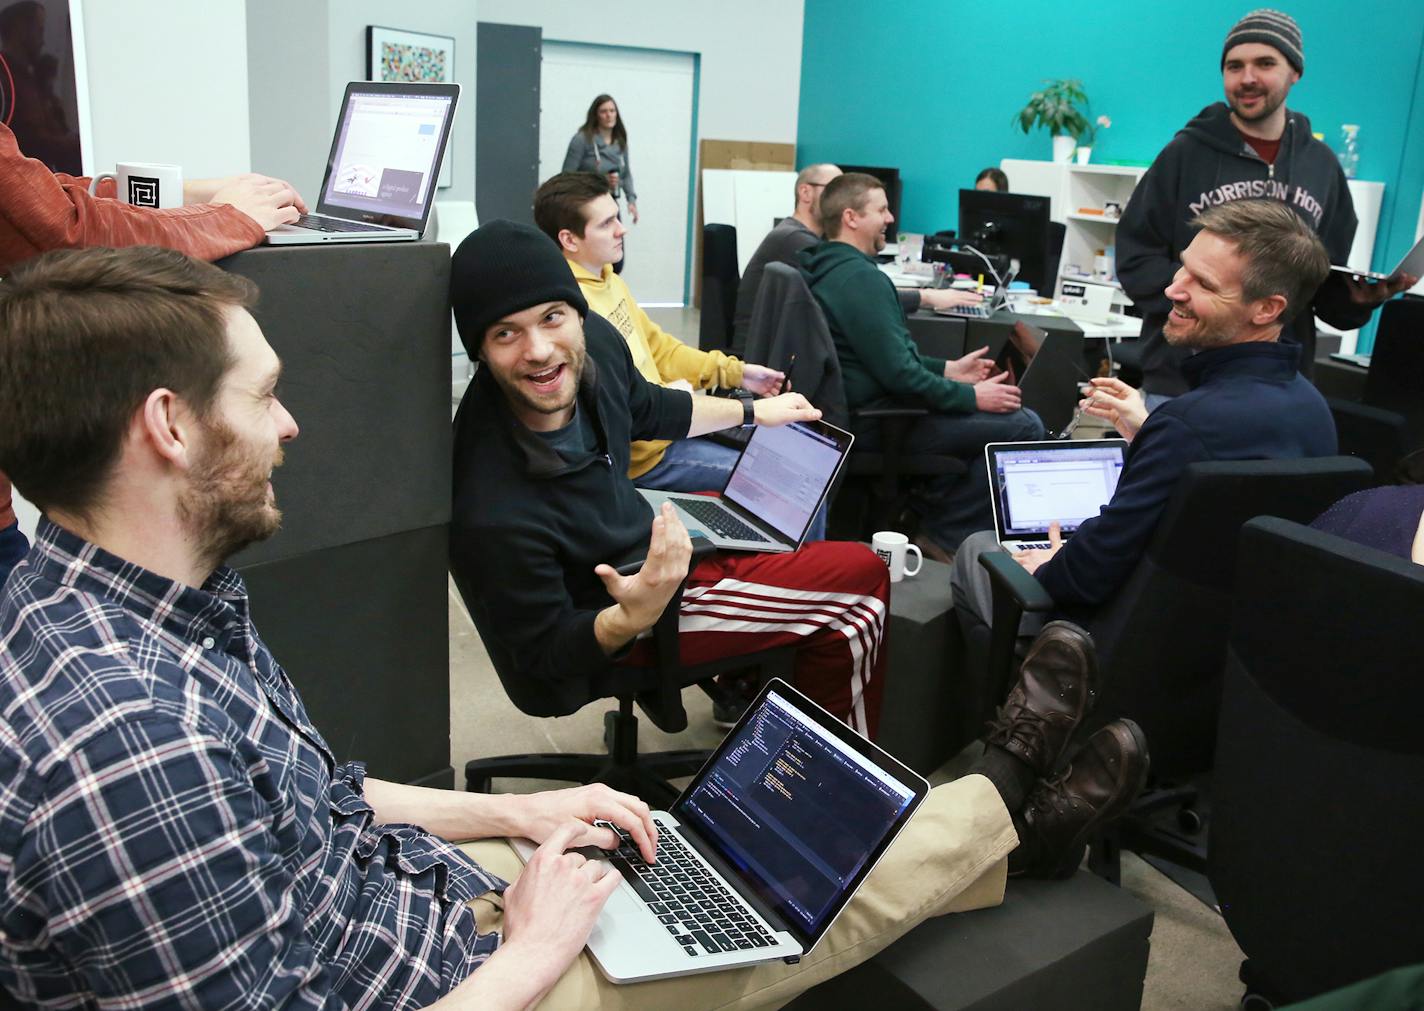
[(1247, 402), (1206, 164)]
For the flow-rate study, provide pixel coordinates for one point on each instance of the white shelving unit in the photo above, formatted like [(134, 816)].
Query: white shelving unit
[(1074, 191)]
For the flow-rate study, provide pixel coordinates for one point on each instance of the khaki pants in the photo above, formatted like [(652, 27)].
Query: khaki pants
[(950, 858)]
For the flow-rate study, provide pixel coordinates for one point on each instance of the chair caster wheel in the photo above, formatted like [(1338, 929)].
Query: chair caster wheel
[(1255, 1002), (1188, 820)]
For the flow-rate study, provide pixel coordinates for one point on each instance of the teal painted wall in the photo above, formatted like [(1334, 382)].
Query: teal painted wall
[(930, 87)]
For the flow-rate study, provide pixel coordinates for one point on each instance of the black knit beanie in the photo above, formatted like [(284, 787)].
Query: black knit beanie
[(1270, 28), (503, 268)]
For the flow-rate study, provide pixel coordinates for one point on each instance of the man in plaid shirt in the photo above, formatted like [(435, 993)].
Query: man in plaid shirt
[(174, 832)]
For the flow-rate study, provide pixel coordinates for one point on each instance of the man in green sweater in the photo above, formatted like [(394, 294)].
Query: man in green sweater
[(881, 364)]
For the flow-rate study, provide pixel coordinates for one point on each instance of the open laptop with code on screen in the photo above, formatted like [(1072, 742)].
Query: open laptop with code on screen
[(761, 852), (1033, 485)]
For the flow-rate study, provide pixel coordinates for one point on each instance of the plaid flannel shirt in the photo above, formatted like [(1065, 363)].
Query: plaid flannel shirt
[(173, 830)]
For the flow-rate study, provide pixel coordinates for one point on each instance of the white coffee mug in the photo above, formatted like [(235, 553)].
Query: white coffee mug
[(145, 184), (891, 547)]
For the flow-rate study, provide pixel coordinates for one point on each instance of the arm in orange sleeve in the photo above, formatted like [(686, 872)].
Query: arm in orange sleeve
[(40, 211)]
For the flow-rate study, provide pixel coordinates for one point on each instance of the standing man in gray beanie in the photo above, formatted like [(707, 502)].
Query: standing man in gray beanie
[(1249, 146)]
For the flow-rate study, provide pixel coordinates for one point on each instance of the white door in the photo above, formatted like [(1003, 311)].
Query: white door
[(653, 90)]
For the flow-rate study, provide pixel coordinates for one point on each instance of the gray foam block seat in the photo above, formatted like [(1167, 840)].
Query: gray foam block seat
[(1060, 945)]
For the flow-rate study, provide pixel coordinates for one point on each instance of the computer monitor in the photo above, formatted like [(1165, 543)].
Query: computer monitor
[(1011, 224), (891, 178)]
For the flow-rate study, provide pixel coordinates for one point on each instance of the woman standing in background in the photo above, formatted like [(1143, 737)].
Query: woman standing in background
[(601, 145)]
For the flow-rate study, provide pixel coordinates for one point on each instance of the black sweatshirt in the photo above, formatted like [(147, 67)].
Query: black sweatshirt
[(528, 525), (1209, 163)]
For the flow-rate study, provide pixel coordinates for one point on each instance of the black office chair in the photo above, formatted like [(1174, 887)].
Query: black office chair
[(720, 279), (1387, 423), (788, 331), (1316, 818), (1161, 640), (657, 691)]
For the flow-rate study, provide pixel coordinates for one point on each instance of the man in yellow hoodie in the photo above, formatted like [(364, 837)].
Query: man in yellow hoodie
[(578, 212)]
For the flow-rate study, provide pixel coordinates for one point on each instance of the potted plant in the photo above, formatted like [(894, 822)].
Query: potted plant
[(1055, 108), (1089, 134)]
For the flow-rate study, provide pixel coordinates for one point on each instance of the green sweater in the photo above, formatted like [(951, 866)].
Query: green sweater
[(879, 361)]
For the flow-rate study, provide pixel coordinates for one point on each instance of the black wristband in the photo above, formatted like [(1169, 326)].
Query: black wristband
[(748, 413)]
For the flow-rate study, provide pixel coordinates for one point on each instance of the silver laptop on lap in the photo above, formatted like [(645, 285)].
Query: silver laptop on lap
[(1035, 484), (761, 852), (774, 493), (384, 163)]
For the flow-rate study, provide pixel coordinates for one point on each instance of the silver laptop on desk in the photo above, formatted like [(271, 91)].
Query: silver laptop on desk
[(384, 163), (761, 852), (1033, 485), (774, 493)]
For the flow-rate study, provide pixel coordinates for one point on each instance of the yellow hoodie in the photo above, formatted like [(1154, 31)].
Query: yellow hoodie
[(658, 355)]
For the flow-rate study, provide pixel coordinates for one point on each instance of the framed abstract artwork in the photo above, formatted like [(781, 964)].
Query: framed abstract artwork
[(393, 54)]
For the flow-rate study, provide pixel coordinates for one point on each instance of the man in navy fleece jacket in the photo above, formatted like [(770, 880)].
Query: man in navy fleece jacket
[(1252, 266)]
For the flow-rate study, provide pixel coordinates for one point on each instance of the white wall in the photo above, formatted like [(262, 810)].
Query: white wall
[(750, 49), (168, 83)]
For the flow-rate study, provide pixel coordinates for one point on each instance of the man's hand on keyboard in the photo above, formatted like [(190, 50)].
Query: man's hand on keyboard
[(943, 298), (640, 598), (784, 409), (540, 815), (270, 202), (1032, 559), (550, 909)]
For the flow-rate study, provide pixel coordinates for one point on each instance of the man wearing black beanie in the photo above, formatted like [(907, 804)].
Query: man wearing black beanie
[(1249, 146), (542, 505)]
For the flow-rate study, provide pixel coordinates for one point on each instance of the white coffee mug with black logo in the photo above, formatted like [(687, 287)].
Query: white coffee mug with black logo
[(891, 548), (145, 184)]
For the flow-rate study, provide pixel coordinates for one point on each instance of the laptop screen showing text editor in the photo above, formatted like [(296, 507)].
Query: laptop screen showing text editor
[(1038, 486), (796, 810), (782, 475), (385, 155)]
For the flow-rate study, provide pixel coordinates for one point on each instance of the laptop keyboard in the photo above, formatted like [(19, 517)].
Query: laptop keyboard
[(1032, 546), (970, 311), (716, 518), (692, 905), (322, 223)]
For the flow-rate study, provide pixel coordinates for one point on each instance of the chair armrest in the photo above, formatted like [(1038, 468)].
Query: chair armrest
[(1015, 592), (889, 412), (1012, 581), (663, 704)]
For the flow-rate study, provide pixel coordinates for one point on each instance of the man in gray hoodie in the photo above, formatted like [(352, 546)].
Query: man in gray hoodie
[(1249, 146)]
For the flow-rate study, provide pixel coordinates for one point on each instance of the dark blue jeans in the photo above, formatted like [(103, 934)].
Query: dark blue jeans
[(13, 547), (950, 507)]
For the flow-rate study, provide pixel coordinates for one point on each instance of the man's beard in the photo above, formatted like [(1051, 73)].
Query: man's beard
[(573, 369), (1269, 105), (225, 506)]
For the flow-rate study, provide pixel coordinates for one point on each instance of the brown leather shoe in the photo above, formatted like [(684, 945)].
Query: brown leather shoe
[(1057, 687), (1062, 813)]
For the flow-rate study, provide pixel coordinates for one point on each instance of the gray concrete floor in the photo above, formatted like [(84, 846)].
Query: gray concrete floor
[(1193, 961)]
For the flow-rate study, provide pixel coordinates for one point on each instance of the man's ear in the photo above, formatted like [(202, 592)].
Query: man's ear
[(1268, 310), (568, 241), (167, 426)]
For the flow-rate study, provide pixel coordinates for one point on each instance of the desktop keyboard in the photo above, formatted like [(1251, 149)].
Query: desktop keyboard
[(716, 518), (697, 910), (322, 223)]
